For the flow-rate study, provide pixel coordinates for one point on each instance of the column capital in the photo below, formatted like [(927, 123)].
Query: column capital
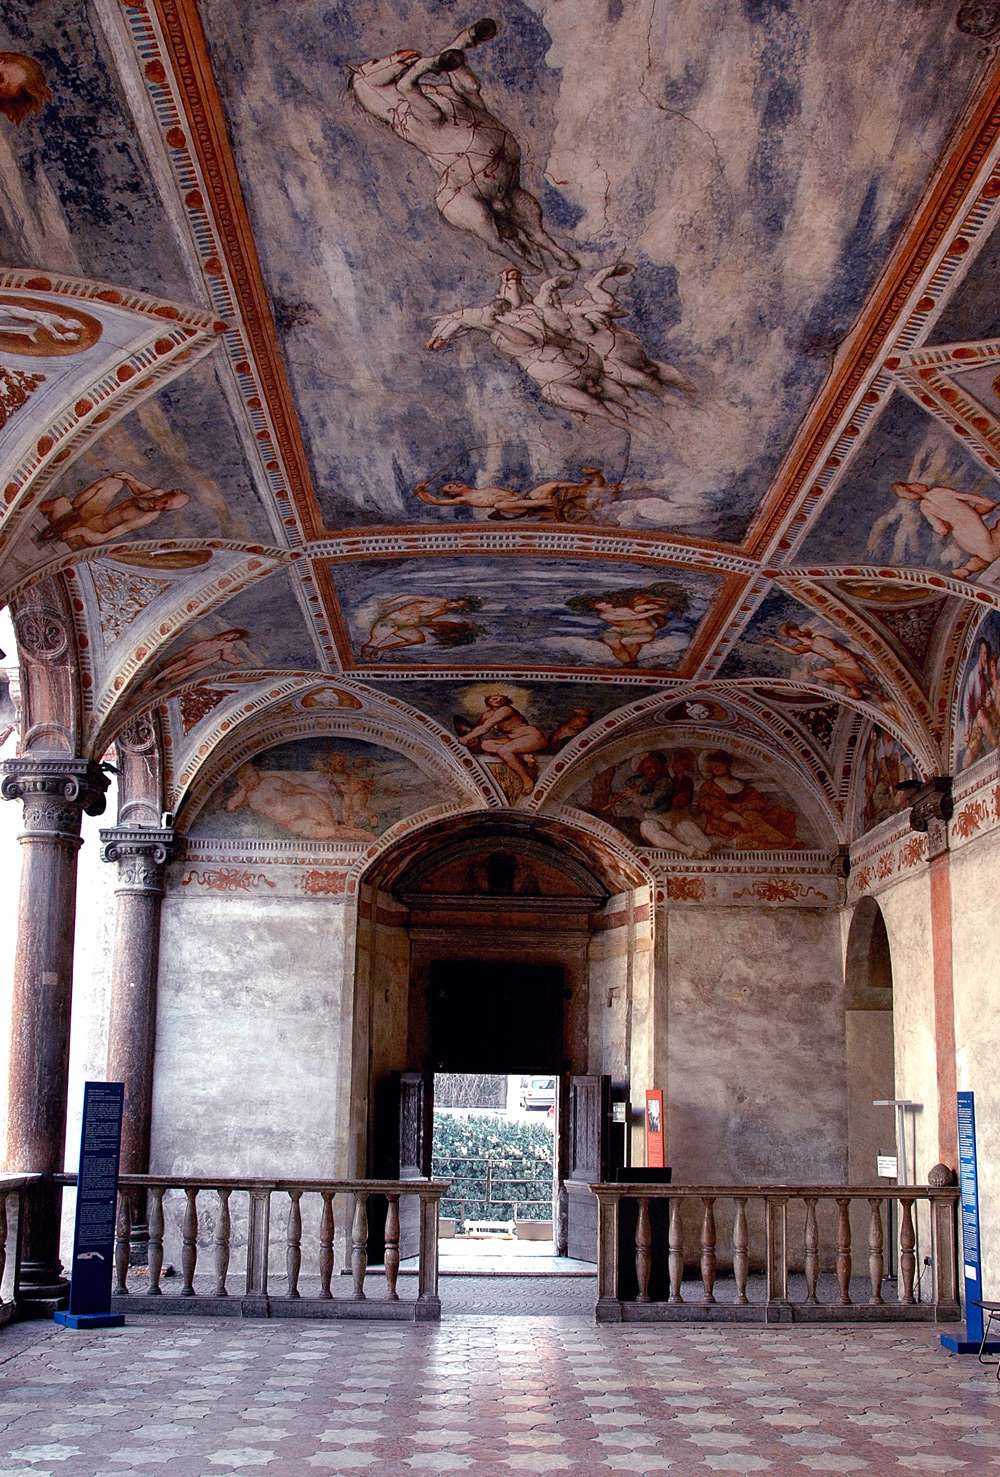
[(931, 808), (56, 791), (141, 852)]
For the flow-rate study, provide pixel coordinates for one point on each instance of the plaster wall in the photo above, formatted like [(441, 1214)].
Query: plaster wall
[(756, 1051), (975, 892), (253, 1036)]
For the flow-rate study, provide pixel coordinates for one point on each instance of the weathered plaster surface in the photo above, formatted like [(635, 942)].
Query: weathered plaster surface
[(974, 893), (251, 1047), (756, 1047)]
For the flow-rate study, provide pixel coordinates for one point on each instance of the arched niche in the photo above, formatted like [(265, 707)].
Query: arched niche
[(870, 1042)]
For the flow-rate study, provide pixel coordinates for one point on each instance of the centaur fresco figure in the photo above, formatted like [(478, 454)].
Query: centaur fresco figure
[(561, 348), (476, 159)]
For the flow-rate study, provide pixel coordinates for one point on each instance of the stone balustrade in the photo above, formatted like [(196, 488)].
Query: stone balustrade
[(222, 1205), (650, 1235), (12, 1188)]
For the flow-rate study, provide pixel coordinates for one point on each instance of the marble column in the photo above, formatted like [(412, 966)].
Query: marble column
[(142, 853), (55, 792)]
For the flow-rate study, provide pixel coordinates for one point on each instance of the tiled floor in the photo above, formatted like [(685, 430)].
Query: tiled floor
[(172, 1397)]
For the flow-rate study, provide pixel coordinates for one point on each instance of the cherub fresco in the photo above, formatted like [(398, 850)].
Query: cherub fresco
[(414, 620), (886, 767), (979, 702), (435, 103), (830, 661), (319, 789), (99, 514), (632, 618), (201, 655), (683, 801), (561, 348), (293, 803), (23, 88), (504, 733), (960, 516), (558, 500)]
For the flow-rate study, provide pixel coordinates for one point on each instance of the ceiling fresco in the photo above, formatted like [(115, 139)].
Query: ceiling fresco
[(523, 613), (519, 386)]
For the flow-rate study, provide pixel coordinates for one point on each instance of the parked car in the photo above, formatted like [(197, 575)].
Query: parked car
[(538, 1092)]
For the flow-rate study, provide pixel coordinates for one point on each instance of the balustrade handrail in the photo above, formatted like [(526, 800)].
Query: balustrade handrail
[(792, 1192), (660, 1251), (244, 1182)]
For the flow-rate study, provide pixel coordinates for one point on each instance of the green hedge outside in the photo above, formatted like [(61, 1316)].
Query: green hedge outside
[(500, 1169)]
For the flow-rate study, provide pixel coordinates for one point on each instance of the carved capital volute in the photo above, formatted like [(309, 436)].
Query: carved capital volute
[(55, 792), (931, 808), (141, 852)]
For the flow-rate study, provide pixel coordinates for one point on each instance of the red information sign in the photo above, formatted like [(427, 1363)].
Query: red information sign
[(654, 1128)]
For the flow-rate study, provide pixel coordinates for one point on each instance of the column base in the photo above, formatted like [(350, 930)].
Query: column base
[(138, 1250), (42, 1290)]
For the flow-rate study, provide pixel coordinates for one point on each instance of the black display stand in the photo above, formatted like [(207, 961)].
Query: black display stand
[(96, 1210)]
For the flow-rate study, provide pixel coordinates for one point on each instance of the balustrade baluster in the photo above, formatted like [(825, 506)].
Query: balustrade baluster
[(907, 1258), (123, 1242), (876, 1244), (189, 1250), (708, 1257), (3, 1239), (155, 1252), (391, 1246), (222, 1231), (741, 1254), (675, 1250), (293, 1240), (776, 1243), (643, 1249), (811, 1251), (326, 1245), (359, 1245), (844, 1250)]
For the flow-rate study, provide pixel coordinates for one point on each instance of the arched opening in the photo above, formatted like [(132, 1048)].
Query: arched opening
[(504, 945), (870, 1045)]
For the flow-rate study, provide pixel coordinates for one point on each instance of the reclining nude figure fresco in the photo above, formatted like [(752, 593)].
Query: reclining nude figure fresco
[(434, 103)]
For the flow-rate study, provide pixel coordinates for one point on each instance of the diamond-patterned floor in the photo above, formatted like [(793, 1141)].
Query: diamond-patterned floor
[(173, 1397)]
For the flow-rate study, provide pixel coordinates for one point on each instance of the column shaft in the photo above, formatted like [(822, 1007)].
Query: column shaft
[(141, 854), (55, 792)]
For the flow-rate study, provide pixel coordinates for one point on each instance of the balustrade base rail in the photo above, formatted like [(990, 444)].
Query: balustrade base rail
[(645, 1240), (408, 1310)]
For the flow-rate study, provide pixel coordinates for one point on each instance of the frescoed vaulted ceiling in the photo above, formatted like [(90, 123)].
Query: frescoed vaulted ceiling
[(520, 396)]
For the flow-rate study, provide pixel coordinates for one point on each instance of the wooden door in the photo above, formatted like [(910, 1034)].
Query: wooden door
[(587, 1154), (415, 1099)]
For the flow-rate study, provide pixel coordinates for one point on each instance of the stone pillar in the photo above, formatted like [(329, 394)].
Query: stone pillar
[(55, 791), (141, 852)]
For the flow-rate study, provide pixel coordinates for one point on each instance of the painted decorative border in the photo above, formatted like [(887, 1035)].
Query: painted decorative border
[(889, 851)]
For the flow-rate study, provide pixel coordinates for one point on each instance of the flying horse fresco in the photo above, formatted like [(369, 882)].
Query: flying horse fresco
[(577, 354), (434, 103)]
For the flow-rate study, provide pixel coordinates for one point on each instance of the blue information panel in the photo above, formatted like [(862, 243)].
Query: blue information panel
[(96, 1209), (968, 1180)]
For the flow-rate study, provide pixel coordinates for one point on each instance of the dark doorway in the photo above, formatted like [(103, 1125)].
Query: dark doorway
[(496, 1017)]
